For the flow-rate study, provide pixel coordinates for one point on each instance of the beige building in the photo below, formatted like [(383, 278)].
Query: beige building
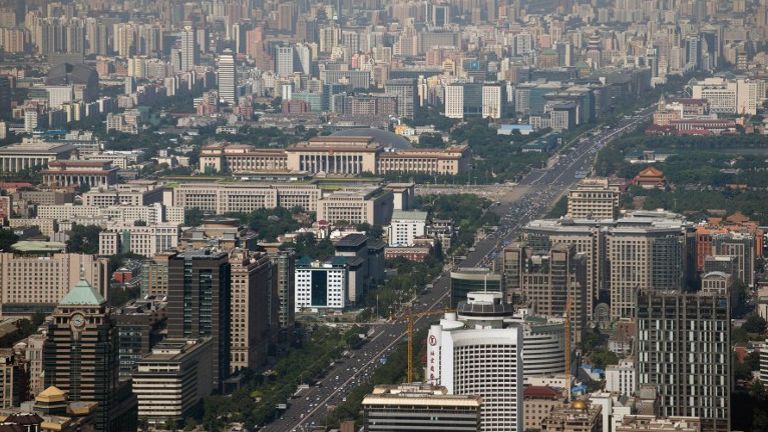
[(32, 153), (594, 198), (141, 240), (334, 155), (649, 423), (221, 198), (170, 381), (538, 404), (151, 214), (453, 160), (77, 172), (46, 226), (32, 282), (34, 355), (241, 158), (579, 417), (132, 193), (254, 290), (372, 205)]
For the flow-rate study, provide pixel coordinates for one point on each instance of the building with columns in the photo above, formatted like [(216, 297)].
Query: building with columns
[(69, 172), (32, 153)]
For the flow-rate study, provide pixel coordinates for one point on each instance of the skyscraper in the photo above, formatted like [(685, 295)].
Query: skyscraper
[(252, 283), (189, 51), (683, 348), (284, 263), (81, 355), (199, 302), (284, 61), (406, 92), (5, 97), (474, 352), (227, 78)]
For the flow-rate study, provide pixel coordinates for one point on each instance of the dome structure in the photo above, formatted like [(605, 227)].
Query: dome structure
[(380, 136)]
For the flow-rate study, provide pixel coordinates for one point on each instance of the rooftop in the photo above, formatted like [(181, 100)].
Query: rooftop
[(82, 294)]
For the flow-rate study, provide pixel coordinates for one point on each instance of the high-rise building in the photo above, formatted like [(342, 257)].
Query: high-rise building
[(227, 78), (199, 303), (321, 285), (284, 61), (406, 226), (494, 100), (420, 407), (594, 198), (544, 282), (740, 246), (284, 263), (189, 52), (5, 98), (474, 352), (764, 363), (683, 349), (170, 382), (81, 356), (14, 378), (406, 92), (467, 279), (253, 286)]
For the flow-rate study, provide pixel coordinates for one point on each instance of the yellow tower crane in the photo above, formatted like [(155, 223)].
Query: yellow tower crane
[(410, 318)]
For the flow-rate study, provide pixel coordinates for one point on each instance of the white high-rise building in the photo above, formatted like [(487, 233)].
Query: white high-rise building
[(189, 52), (620, 378), (454, 101), (227, 78), (474, 352), (494, 99)]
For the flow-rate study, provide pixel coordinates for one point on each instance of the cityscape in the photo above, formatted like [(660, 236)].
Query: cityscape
[(383, 216)]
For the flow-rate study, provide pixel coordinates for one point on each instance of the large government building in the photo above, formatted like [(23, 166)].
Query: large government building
[(349, 154)]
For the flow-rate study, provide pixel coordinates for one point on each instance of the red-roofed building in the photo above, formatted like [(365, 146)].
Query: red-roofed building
[(538, 404), (650, 178)]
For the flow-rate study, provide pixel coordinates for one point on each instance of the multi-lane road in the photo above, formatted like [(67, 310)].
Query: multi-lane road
[(532, 198)]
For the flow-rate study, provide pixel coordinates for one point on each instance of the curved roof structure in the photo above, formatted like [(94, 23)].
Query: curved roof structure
[(381, 137), (67, 73)]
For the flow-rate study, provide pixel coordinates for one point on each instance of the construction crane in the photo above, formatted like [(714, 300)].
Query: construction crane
[(410, 320), (568, 347)]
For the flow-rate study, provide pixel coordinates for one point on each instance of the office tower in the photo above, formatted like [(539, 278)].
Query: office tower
[(454, 101), (406, 226), (81, 354), (683, 349), (740, 246), (140, 325), (651, 257), (545, 282), (284, 262), (494, 101), (284, 61), (406, 92), (199, 303), (5, 98), (170, 381), (227, 78), (189, 51), (321, 285), (303, 58), (253, 285), (474, 352), (419, 407), (594, 198)]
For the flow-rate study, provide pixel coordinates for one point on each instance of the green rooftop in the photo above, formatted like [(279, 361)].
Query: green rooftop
[(32, 246), (82, 294)]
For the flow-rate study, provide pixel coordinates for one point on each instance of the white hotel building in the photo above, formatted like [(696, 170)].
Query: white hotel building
[(474, 352), (321, 285)]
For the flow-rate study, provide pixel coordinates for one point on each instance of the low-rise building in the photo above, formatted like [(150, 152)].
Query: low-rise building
[(371, 205), (406, 226), (77, 172), (411, 407), (620, 378), (649, 423), (538, 404), (579, 417)]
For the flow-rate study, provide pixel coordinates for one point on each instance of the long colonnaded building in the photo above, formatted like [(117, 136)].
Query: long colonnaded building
[(336, 155)]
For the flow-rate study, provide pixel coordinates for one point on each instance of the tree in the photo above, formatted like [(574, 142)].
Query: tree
[(754, 324), (7, 239), (84, 239), (193, 216)]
